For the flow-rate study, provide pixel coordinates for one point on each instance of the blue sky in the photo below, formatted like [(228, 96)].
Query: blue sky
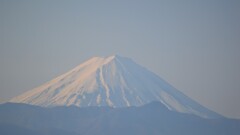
[(192, 44)]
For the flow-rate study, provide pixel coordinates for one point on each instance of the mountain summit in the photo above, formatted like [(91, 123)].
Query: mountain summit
[(113, 81)]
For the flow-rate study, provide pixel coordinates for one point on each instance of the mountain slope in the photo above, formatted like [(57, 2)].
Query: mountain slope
[(112, 81), (151, 119)]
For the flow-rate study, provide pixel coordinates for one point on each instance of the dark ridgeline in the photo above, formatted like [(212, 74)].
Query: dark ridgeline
[(151, 119)]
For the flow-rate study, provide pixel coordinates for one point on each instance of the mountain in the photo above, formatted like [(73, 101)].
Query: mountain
[(150, 119), (113, 81)]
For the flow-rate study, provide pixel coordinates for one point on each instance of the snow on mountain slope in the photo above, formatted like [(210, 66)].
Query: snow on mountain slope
[(112, 81)]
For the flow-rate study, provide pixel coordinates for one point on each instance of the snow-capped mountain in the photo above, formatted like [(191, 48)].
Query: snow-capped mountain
[(111, 81)]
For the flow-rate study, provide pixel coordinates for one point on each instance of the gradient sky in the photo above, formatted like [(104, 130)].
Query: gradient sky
[(192, 44)]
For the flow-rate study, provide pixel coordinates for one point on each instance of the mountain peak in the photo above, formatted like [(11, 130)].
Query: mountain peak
[(107, 58), (98, 62), (111, 58), (110, 81), (115, 56)]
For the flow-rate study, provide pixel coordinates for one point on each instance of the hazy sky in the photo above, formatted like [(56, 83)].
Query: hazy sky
[(192, 44)]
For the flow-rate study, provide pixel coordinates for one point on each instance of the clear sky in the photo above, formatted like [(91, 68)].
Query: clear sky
[(192, 44)]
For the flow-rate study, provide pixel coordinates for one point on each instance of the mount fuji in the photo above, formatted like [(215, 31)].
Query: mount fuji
[(113, 81)]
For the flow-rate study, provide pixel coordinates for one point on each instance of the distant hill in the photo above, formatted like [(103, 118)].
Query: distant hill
[(151, 119)]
